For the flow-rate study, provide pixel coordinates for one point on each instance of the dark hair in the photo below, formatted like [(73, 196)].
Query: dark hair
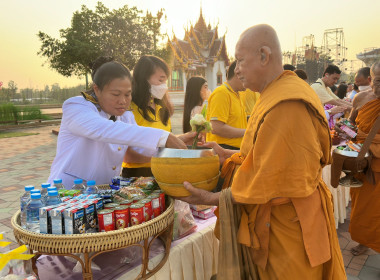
[(144, 69), (105, 70), (192, 98), (231, 71), (301, 73), (332, 69), (333, 88), (356, 88), (289, 67), (365, 72), (342, 91)]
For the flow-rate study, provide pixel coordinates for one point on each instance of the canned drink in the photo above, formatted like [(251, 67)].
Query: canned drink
[(106, 220), (126, 202), (162, 199), (136, 211), (137, 198), (110, 205), (155, 204), (121, 216), (148, 210)]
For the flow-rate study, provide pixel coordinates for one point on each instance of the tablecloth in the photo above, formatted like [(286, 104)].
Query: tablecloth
[(192, 257), (341, 197)]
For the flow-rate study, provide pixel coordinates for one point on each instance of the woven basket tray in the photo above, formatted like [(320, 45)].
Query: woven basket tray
[(92, 242)]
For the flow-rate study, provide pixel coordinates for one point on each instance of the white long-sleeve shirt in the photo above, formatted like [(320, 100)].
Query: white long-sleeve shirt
[(92, 147)]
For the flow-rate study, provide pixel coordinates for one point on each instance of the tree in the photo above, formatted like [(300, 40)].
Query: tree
[(12, 89), (124, 34)]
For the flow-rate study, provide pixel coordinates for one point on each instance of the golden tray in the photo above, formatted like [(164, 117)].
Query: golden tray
[(100, 242)]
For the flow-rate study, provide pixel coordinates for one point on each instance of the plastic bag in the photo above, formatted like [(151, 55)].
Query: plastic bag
[(15, 264), (184, 223)]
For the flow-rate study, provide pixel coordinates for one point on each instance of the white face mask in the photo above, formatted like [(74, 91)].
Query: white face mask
[(364, 88), (158, 91)]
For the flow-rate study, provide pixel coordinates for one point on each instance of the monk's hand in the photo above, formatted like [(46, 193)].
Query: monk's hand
[(175, 142), (338, 109), (221, 152), (199, 196)]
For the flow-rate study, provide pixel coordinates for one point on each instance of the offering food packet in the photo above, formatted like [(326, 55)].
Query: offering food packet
[(184, 223)]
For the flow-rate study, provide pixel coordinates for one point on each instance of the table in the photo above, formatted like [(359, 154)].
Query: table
[(341, 197), (192, 257)]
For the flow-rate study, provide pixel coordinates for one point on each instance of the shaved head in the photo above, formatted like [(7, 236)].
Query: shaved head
[(375, 78), (259, 36), (259, 57)]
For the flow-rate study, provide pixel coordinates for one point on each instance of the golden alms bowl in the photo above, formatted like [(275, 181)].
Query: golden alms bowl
[(171, 167)]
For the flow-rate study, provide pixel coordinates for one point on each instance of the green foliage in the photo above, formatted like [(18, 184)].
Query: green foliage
[(124, 34), (9, 113)]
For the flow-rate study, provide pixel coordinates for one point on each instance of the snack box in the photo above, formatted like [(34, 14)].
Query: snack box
[(75, 222), (45, 219), (199, 207), (204, 214), (57, 221)]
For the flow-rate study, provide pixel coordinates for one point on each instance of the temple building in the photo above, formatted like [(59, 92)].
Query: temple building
[(201, 53)]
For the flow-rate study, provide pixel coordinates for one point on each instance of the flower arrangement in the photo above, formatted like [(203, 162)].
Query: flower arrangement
[(199, 124)]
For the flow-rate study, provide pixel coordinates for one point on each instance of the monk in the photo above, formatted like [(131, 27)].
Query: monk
[(365, 206), (276, 218)]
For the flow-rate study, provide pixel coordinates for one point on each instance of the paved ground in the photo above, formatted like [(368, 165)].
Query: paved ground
[(26, 161)]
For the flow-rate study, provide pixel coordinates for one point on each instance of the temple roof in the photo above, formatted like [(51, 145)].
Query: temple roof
[(200, 45)]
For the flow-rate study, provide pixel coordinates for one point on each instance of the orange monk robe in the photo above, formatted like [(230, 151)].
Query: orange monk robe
[(365, 205), (286, 145)]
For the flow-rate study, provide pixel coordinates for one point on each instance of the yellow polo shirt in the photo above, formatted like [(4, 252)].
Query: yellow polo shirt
[(249, 99), (226, 106), (143, 122), (324, 93)]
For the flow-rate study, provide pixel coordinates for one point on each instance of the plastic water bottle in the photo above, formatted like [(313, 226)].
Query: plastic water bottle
[(24, 199), (91, 188), (78, 185), (44, 191), (35, 191), (33, 212), (58, 184), (51, 189), (53, 198)]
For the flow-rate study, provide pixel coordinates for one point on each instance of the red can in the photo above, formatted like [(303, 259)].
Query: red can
[(110, 205), (155, 204), (121, 216), (148, 210), (162, 199), (126, 202), (136, 211), (106, 220), (137, 198)]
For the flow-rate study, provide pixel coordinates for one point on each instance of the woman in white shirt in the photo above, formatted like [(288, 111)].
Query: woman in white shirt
[(196, 95), (96, 129)]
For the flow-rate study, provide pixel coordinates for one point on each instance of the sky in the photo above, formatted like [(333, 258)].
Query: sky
[(21, 20)]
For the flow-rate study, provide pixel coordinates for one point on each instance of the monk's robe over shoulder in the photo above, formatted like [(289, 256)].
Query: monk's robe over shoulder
[(287, 142)]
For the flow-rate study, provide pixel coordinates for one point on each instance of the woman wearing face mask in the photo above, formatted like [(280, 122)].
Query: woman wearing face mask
[(150, 106), (96, 129), (196, 96)]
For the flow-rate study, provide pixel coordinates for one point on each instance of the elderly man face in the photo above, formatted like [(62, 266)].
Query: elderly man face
[(360, 80), (375, 79), (248, 67)]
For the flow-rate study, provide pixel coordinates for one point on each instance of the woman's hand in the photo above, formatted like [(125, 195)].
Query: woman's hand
[(188, 138), (199, 196), (175, 142), (221, 152)]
